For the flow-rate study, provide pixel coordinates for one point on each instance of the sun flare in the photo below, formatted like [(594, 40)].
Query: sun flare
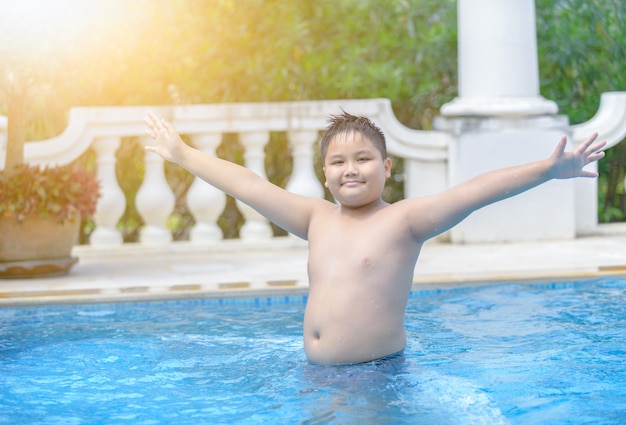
[(42, 27)]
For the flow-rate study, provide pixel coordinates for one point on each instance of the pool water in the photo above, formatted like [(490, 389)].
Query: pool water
[(494, 354)]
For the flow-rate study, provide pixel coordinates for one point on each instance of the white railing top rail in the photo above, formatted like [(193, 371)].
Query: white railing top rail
[(88, 123), (609, 120)]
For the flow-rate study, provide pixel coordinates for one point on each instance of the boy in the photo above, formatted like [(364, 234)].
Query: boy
[(362, 250)]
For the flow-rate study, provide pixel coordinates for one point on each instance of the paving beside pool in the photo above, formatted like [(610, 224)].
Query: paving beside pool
[(235, 268)]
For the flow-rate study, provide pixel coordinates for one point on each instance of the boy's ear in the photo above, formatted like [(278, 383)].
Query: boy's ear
[(387, 167)]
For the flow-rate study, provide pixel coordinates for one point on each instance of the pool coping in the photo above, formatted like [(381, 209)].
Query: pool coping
[(431, 283)]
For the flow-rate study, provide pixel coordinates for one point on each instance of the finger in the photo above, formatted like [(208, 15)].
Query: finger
[(596, 147), (583, 146), (150, 119), (148, 123), (165, 125), (594, 157), (589, 174), (151, 133), (156, 123), (165, 128), (560, 147), (152, 126)]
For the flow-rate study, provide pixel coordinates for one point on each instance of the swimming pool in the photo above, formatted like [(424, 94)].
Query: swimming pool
[(550, 353)]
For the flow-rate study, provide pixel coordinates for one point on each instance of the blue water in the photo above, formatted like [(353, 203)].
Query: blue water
[(506, 353)]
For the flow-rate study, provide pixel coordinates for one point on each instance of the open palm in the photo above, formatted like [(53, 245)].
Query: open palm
[(567, 165)]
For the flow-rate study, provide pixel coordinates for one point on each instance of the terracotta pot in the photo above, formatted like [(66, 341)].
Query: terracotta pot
[(37, 246)]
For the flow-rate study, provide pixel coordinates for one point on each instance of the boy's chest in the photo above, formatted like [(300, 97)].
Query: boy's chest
[(346, 259), (345, 235), (360, 245)]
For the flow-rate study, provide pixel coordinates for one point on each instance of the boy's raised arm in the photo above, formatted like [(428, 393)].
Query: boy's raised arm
[(290, 211), (440, 212)]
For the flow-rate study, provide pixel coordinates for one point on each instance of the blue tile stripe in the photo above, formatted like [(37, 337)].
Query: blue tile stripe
[(262, 300)]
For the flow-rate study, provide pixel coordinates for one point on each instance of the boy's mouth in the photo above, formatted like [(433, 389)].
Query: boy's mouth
[(351, 183)]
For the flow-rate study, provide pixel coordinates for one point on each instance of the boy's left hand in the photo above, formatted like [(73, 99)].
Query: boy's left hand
[(567, 165)]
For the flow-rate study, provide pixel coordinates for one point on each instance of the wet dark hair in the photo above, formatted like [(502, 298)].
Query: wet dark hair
[(346, 123)]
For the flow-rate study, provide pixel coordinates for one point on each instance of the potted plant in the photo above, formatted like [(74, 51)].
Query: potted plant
[(40, 207), (40, 216)]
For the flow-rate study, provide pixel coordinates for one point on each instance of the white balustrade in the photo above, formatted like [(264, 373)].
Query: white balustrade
[(256, 226), (205, 202), (112, 204), (155, 200), (303, 180), (432, 157)]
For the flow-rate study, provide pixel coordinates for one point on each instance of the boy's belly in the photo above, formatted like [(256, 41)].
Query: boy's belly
[(344, 341)]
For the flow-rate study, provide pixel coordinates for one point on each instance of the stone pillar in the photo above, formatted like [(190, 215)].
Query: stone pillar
[(112, 204), (205, 202), (155, 200), (500, 120), (256, 226), (303, 180)]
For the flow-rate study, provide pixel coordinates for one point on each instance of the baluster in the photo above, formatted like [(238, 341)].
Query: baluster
[(112, 204), (205, 202), (155, 200), (303, 180), (256, 226)]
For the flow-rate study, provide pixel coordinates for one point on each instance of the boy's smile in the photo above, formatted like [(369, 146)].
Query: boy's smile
[(355, 170)]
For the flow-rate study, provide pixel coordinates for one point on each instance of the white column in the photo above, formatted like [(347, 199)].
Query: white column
[(303, 180), (256, 226), (155, 200), (112, 204), (500, 120), (205, 202), (498, 67)]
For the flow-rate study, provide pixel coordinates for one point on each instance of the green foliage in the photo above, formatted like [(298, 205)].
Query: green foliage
[(213, 51), (582, 53), (254, 50), (59, 192)]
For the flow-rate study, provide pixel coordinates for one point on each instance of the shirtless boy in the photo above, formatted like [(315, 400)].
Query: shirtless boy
[(362, 250)]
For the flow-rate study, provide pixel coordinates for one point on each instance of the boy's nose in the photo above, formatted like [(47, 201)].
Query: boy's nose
[(351, 169)]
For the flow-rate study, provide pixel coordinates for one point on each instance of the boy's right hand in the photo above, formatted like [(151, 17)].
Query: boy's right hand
[(169, 145)]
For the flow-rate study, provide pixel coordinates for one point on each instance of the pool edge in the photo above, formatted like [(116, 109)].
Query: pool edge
[(174, 292)]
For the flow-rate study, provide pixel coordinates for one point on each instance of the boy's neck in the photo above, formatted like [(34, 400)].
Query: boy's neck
[(363, 210)]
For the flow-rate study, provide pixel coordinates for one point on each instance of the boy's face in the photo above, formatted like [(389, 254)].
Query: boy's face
[(355, 170)]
